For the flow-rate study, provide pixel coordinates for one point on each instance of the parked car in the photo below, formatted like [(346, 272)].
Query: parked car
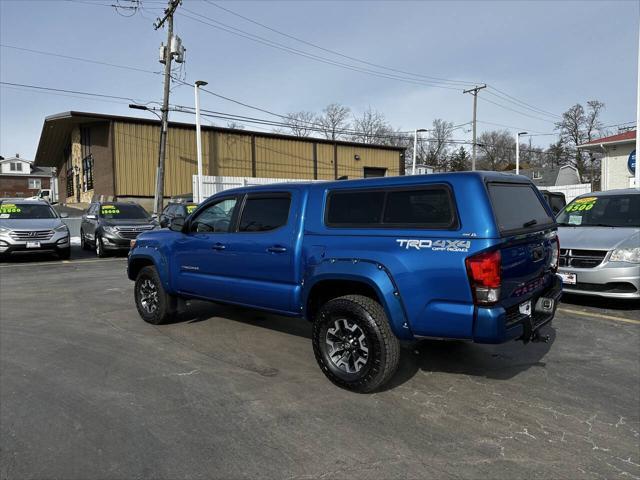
[(556, 200), (174, 210), (370, 262), (32, 226), (600, 244), (110, 226)]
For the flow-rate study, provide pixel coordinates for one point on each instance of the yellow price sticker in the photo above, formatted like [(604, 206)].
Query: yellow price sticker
[(582, 204), (191, 208)]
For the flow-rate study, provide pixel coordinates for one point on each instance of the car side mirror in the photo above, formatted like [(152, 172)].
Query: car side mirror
[(154, 216), (91, 217), (64, 215), (177, 224)]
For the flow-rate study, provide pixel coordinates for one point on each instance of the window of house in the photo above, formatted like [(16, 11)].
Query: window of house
[(35, 184), (15, 166), (537, 175), (263, 213), (370, 172)]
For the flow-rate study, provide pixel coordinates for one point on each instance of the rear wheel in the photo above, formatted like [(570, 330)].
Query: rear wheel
[(154, 304), (83, 242), (353, 343)]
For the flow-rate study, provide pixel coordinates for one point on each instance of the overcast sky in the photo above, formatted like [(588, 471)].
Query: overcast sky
[(549, 55)]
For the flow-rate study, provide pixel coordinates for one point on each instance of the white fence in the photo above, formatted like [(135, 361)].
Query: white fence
[(570, 191), (215, 184)]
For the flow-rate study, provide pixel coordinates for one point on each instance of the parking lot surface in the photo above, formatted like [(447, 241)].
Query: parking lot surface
[(87, 389)]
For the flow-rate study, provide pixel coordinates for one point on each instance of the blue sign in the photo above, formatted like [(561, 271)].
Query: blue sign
[(631, 163)]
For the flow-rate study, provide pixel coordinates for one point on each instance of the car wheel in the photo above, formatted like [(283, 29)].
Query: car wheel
[(83, 242), (353, 343), (154, 304), (64, 253), (100, 248)]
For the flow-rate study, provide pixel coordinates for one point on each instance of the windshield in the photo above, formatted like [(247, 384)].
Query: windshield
[(604, 211), (123, 211), (26, 211)]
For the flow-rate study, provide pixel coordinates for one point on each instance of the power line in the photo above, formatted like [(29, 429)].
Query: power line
[(515, 100), (77, 92), (256, 38), (516, 111), (334, 52)]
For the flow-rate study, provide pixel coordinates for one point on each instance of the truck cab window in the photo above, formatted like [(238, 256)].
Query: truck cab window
[(216, 218), (261, 214)]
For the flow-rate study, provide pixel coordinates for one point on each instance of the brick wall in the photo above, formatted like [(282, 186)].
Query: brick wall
[(18, 186)]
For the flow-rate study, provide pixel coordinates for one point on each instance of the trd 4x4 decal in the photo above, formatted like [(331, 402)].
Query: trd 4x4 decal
[(435, 245)]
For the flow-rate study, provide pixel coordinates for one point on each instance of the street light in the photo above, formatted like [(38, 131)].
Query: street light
[(518, 152), (199, 84), (415, 148)]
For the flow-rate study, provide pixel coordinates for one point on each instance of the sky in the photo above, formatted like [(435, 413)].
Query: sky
[(545, 55)]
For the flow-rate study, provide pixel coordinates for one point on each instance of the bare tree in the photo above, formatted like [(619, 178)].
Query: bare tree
[(300, 124), (235, 125), (497, 149), (440, 137), (579, 126), (333, 120), (371, 127)]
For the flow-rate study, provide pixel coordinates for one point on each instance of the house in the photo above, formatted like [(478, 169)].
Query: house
[(615, 151), (116, 156), (20, 178), (552, 176)]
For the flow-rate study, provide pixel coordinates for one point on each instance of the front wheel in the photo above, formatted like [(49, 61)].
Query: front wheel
[(83, 242), (100, 253), (353, 343), (154, 304)]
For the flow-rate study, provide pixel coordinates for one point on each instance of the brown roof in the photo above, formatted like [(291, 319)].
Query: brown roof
[(620, 137)]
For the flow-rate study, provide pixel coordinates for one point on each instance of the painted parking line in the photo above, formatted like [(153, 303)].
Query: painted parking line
[(62, 262), (599, 315)]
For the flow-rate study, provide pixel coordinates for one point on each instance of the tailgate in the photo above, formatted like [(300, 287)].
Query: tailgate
[(528, 232)]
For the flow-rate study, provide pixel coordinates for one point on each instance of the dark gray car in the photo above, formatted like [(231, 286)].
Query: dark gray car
[(110, 226)]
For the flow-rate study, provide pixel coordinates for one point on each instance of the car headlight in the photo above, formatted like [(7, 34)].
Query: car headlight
[(109, 229), (62, 228), (629, 255), (4, 231)]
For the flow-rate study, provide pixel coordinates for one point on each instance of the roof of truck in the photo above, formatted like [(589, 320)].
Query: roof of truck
[(388, 181)]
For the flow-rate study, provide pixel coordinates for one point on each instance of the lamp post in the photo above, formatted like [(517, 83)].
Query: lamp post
[(415, 148), (518, 151), (197, 86)]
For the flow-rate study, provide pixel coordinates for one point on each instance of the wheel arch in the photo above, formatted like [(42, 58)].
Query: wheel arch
[(338, 278)]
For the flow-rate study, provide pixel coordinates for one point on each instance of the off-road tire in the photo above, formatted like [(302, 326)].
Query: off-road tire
[(383, 346), (64, 253), (166, 303)]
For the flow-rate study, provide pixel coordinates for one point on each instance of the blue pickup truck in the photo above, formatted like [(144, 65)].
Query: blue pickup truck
[(469, 256)]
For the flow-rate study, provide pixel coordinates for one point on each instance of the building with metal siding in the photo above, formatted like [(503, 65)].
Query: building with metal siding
[(113, 156)]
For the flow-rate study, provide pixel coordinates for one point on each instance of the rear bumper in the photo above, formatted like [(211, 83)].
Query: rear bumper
[(611, 280), (499, 325)]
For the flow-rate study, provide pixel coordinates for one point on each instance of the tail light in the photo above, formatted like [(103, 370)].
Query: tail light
[(555, 254), (485, 276)]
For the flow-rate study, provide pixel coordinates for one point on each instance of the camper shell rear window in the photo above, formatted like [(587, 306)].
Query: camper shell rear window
[(415, 207), (517, 207)]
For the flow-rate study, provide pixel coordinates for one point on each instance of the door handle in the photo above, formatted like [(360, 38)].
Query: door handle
[(219, 246), (276, 249)]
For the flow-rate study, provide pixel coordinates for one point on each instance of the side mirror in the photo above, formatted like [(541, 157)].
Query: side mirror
[(64, 215), (91, 217), (177, 224), (154, 216)]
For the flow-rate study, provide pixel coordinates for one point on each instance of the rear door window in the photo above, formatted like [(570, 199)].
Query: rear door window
[(429, 207), (262, 213), (517, 207)]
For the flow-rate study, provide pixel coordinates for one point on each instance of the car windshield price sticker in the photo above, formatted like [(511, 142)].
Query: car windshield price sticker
[(582, 204), (109, 210), (191, 208), (6, 209)]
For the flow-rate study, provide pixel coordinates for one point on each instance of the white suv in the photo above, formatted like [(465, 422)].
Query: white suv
[(32, 226)]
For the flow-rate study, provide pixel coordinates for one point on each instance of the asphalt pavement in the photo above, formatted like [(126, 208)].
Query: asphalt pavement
[(88, 390)]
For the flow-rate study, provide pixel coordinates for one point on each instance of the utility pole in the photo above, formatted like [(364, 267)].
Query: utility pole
[(200, 83), (167, 55), (474, 92), (415, 148), (637, 167)]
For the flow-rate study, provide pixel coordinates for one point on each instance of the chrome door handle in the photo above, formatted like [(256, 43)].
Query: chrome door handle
[(219, 246), (276, 249)]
